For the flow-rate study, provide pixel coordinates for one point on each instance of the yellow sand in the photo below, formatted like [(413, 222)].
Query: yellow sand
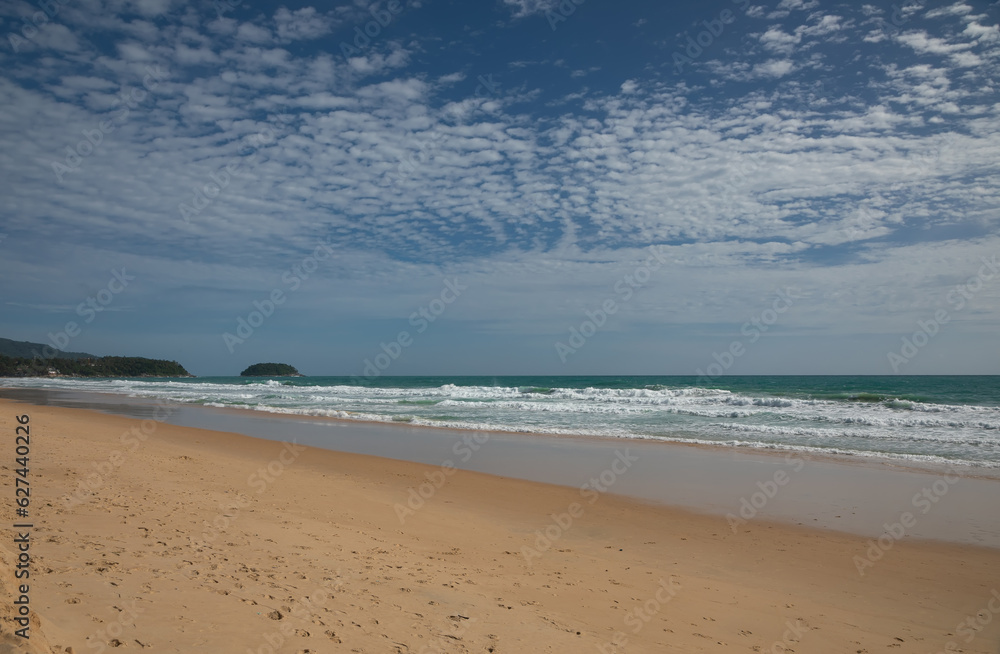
[(186, 546)]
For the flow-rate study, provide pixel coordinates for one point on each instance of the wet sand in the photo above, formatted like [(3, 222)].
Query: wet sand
[(196, 540)]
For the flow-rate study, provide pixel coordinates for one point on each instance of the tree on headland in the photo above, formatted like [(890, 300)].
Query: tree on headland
[(270, 370), (93, 367)]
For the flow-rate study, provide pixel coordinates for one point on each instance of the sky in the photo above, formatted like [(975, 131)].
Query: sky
[(500, 187)]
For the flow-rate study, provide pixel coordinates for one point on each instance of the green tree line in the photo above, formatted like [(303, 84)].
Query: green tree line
[(95, 367)]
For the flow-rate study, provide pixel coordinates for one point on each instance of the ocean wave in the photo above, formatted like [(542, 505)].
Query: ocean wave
[(833, 449), (953, 438), (882, 421)]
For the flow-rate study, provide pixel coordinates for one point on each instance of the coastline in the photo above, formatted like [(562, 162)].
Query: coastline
[(847, 494), (876, 459), (177, 550)]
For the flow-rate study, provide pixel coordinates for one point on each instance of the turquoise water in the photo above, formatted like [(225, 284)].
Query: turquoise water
[(952, 419)]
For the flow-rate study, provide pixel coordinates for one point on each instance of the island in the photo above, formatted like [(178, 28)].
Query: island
[(270, 370)]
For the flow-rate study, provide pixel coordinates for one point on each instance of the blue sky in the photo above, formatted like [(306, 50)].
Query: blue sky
[(535, 155)]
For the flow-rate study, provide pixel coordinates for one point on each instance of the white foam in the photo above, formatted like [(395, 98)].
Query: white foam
[(890, 429)]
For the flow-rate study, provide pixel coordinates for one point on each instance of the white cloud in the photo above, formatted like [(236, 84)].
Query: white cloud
[(922, 43), (151, 8), (82, 83), (797, 4), (254, 34), (56, 37), (957, 9), (827, 25), (774, 68), (776, 40), (195, 56), (786, 7), (376, 63), (979, 32), (302, 24), (223, 26), (967, 60), (959, 52), (135, 52), (530, 7)]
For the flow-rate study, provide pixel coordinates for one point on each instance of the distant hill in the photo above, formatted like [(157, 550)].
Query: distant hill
[(93, 367), (270, 370), (28, 350)]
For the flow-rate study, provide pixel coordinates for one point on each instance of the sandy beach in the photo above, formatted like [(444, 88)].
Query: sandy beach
[(510, 327), (183, 539)]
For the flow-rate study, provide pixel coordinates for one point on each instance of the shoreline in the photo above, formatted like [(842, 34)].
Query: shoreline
[(202, 540), (877, 459), (838, 493)]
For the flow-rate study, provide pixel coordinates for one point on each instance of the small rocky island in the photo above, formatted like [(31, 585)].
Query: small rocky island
[(270, 370)]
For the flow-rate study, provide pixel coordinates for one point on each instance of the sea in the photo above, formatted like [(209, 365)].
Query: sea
[(932, 419)]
